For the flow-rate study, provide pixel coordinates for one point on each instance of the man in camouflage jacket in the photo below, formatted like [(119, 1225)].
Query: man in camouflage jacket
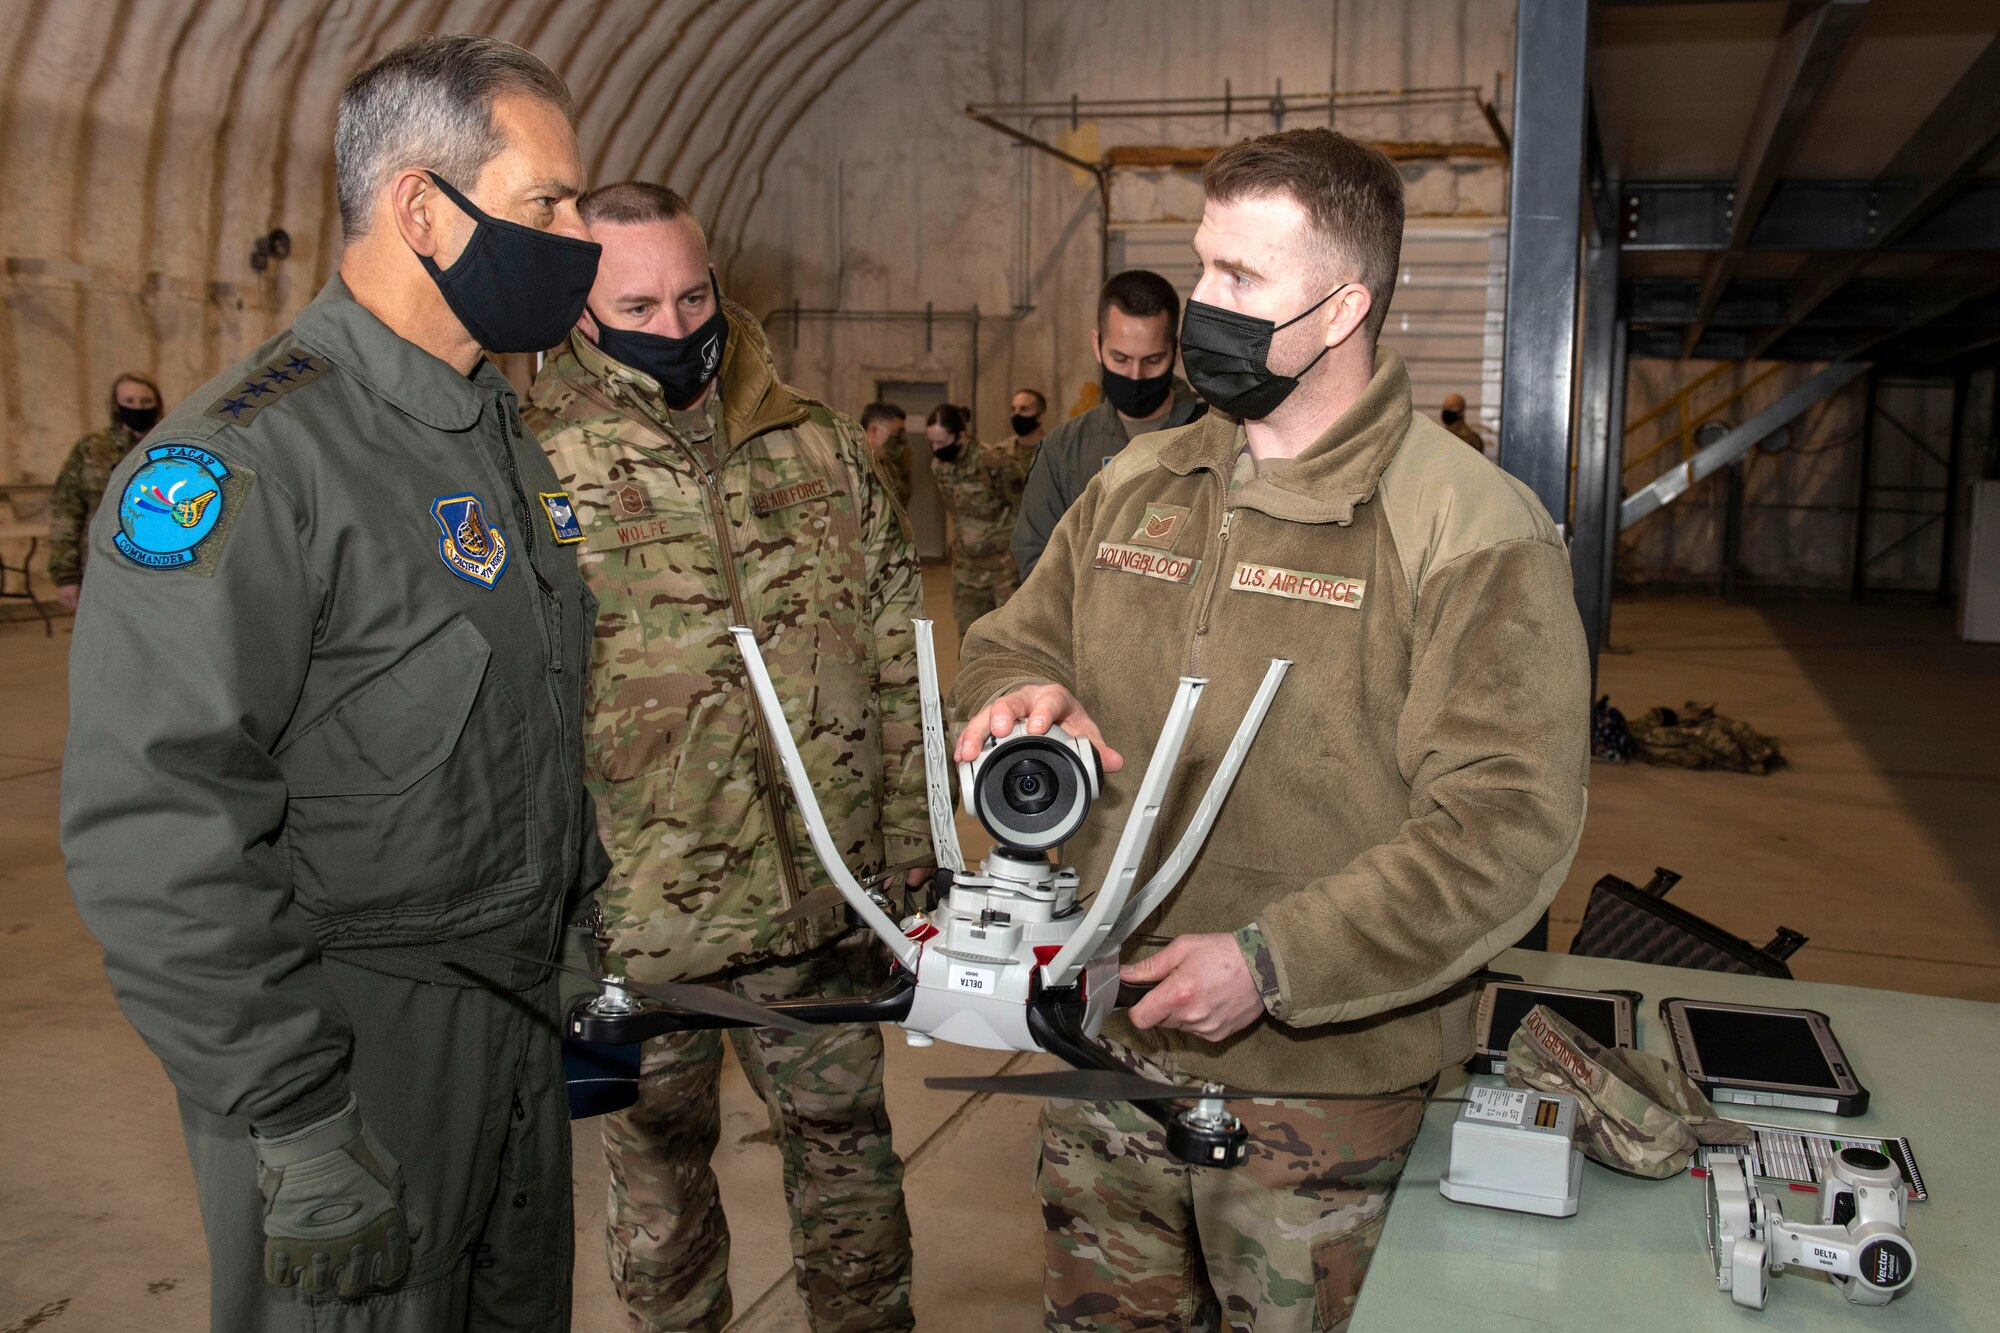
[(981, 485), (708, 495), (135, 406)]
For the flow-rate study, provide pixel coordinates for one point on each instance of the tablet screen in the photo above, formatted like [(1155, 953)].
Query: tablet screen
[(1757, 1048), (1595, 1015)]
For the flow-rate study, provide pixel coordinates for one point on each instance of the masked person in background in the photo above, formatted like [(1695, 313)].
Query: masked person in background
[(323, 747), (1027, 408), (135, 408), (706, 493), (981, 485), (1138, 312), (882, 424), (1410, 805), (1451, 412)]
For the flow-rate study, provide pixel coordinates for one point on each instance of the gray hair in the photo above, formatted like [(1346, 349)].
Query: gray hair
[(429, 103)]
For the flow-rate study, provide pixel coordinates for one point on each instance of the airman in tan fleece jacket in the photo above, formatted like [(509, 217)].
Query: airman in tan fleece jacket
[(1417, 792)]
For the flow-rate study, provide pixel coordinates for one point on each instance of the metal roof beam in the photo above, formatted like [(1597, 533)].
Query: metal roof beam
[(1809, 49), (1951, 144)]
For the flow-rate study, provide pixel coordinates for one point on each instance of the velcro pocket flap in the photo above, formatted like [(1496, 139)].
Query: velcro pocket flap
[(384, 737)]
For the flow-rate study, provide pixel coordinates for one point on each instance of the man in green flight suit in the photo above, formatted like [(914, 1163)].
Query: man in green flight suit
[(708, 494), (135, 408), (323, 747)]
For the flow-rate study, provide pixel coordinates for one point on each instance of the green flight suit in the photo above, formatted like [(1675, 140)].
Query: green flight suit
[(326, 691)]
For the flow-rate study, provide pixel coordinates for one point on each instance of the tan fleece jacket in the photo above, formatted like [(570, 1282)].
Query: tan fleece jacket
[(1416, 794)]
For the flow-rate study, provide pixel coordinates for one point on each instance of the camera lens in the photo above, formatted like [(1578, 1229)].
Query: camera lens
[(1031, 792), (1030, 787)]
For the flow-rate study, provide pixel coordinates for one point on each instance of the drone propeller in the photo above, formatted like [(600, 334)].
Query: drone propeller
[(1115, 1085), (828, 896), (695, 999)]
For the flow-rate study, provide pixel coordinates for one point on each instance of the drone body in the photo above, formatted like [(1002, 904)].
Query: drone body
[(1008, 959)]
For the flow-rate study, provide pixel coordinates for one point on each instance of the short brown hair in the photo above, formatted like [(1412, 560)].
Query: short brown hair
[(632, 202), (1352, 195)]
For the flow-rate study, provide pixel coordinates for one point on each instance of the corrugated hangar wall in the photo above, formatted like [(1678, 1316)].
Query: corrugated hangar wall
[(822, 141)]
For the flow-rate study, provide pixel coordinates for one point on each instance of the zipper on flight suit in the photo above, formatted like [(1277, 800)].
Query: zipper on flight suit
[(1214, 585), (548, 605)]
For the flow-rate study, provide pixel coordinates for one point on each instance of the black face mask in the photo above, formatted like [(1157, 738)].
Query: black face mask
[(1135, 398), (683, 366), (1224, 353), (1024, 425), (1451, 418), (948, 454), (514, 289), (138, 420)]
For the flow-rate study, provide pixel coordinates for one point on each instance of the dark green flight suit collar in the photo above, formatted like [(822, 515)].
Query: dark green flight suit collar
[(395, 369)]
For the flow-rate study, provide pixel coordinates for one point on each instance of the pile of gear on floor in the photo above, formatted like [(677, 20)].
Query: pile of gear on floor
[(1692, 736)]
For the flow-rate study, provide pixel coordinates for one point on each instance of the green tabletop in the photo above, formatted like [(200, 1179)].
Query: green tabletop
[(1633, 1258)]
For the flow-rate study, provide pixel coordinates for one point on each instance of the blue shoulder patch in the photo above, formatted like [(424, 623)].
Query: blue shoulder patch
[(172, 504), (470, 547)]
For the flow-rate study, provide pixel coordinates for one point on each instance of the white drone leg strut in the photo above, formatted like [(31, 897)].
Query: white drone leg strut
[(901, 947)]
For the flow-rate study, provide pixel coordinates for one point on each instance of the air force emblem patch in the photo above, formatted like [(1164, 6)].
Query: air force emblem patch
[(562, 517), (470, 547), (171, 505)]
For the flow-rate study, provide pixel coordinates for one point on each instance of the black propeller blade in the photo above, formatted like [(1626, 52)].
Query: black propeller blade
[(828, 896), (1115, 1085), (695, 999)]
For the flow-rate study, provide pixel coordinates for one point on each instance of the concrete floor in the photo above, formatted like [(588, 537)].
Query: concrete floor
[(1879, 842)]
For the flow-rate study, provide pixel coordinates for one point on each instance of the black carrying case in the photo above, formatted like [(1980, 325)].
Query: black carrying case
[(1639, 925)]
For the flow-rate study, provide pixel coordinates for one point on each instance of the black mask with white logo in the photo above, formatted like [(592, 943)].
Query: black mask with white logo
[(514, 289), (1023, 425), (138, 420), (683, 366), (1225, 356), (1137, 399)]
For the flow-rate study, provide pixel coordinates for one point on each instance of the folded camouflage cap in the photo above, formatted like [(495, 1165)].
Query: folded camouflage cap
[(1636, 1112)]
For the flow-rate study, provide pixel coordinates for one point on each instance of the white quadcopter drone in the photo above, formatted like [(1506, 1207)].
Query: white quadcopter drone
[(1007, 959)]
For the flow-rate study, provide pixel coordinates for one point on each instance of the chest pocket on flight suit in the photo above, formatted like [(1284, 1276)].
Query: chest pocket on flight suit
[(411, 795)]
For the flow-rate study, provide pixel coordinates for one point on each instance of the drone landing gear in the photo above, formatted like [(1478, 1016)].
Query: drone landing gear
[(1205, 1134)]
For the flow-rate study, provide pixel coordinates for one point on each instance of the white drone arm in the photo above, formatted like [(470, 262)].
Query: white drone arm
[(1168, 876), (1088, 939), (937, 771), (900, 945)]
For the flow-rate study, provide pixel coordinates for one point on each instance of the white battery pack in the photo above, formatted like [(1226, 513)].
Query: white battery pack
[(1515, 1148)]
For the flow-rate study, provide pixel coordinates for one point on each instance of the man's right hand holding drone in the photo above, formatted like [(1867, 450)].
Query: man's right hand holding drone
[(1201, 985)]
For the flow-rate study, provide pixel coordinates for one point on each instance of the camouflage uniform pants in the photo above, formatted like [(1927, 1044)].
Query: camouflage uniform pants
[(970, 600), (668, 1240), (1134, 1239)]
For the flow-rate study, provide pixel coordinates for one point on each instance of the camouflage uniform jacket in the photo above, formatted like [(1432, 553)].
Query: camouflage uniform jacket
[(982, 489), (79, 487), (776, 520), (1466, 431), (895, 461)]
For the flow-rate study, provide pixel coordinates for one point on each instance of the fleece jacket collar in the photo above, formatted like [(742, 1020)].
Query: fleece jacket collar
[(1337, 472)]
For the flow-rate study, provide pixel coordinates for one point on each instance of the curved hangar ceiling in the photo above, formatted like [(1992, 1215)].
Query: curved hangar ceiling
[(155, 140)]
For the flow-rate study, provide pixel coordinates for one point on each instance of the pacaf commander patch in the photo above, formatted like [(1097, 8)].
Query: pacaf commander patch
[(176, 510)]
